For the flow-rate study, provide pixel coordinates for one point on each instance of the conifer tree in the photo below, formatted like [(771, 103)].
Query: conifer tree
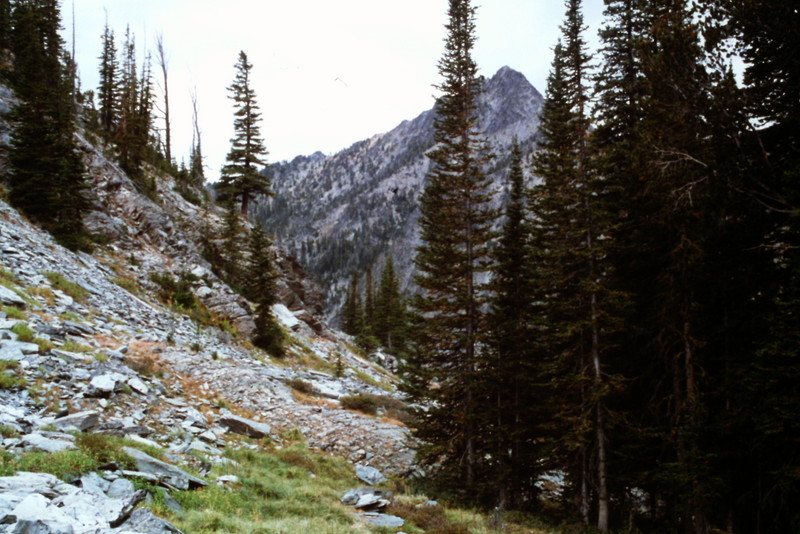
[(369, 304), (241, 176), (108, 90), (390, 311), (454, 228), (47, 179), (232, 246), (261, 285), (580, 305), (353, 312), (514, 414)]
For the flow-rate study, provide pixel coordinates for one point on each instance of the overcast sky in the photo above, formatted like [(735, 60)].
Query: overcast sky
[(327, 73)]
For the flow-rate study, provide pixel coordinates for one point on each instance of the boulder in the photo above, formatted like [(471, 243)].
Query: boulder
[(138, 386), (167, 474), (369, 475), (34, 515), (245, 427)]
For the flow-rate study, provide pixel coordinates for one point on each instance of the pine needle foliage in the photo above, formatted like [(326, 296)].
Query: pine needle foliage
[(455, 230)]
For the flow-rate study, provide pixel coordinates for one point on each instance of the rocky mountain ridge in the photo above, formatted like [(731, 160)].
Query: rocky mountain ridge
[(345, 213), (86, 346)]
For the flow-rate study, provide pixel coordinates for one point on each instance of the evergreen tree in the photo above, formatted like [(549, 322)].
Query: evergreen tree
[(454, 228), (390, 313), (261, 285), (369, 305), (580, 305), (514, 408), (47, 179), (108, 91), (353, 312), (232, 246), (241, 177)]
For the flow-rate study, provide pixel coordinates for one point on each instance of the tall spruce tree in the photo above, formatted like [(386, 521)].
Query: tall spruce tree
[(261, 286), (390, 313), (108, 90), (241, 176), (47, 179), (455, 228), (514, 412), (580, 305)]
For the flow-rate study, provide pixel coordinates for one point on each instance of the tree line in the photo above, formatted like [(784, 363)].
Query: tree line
[(633, 327)]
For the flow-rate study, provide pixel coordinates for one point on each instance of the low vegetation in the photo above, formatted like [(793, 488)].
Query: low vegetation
[(62, 283)]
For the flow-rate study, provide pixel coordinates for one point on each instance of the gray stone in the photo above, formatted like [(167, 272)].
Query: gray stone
[(382, 520), (10, 353), (138, 386), (245, 427), (142, 521), (81, 421), (70, 355), (25, 348), (369, 475), (167, 474), (23, 484), (37, 442), (77, 329), (35, 516), (103, 385), (10, 298), (368, 499), (121, 488)]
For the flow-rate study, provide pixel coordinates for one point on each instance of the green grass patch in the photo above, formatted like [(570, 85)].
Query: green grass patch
[(60, 282), (7, 278), (63, 464), (73, 346), (12, 312), (24, 332), (289, 491), (8, 431), (9, 375)]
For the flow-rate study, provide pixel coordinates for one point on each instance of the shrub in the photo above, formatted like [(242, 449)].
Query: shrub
[(63, 464), (361, 403), (104, 449), (298, 384), (176, 292), (60, 282), (146, 365), (8, 431)]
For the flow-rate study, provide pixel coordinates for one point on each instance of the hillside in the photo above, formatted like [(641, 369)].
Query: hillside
[(344, 213)]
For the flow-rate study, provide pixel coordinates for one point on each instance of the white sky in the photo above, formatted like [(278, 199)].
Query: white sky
[(327, 73)]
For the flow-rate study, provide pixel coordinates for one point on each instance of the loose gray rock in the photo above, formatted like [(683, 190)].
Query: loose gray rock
[(167, 474), (369, 475), (382, 520), (25, 348), (142, 521), (37, 442), (10, 353), (9, 298), (367, 499), (81, 421), (34, 515), (245, 427)]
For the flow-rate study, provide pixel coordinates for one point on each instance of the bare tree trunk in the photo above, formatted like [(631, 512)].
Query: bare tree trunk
[(163, 63)]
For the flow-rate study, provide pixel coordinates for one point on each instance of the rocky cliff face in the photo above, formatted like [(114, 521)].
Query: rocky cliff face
[(345, 213), (86, 345)]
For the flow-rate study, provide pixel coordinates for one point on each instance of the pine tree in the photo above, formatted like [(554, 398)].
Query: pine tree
[(454, 229), (513, 415), (261, 286), (390, 313), (580, 305), (369, 304), (241, 177), (232, 246), (108, 90), (47, 179), (353, 312)]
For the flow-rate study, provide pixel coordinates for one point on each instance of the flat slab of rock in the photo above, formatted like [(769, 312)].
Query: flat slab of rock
[(367, 499), (142, 521), (25, 348), (382, 520), (167, 474), (80, 421), (245, 427), (9, 298), (37, 442)]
